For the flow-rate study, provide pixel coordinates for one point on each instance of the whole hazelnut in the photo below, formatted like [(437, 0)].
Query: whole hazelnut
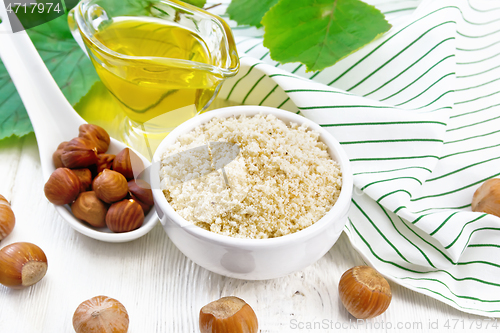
[(124, 216), (56, 157), (128, 163), (364, 292), (141, 192), (486, 198), (104, 161), (85, 177), (96, 134), (7, 218), (62, 187), (228, 315), (101, 314), (89, 208), (110, 186), (22, 265), (79, 153)]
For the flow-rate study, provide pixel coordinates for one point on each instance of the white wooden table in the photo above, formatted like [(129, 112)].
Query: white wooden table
[(163, 291)]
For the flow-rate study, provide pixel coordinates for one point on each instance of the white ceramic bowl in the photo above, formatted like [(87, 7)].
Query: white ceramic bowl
[(254, 259)]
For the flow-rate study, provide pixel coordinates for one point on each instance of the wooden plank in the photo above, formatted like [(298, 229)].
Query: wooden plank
[(162, 289)]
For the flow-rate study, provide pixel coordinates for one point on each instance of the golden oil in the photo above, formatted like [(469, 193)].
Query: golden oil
[(154, 68)]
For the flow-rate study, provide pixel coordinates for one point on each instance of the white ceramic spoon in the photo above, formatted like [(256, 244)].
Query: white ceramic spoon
[(54, 119)]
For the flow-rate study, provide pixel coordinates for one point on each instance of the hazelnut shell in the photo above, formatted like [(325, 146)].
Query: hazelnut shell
[(96, 134), (486, 198), (62, 145), (85, 177), (22, 265), (128, 164), (364, 292), (62, 187), (140, 190), (124, 216), (104, 161), (145, 208), (79, 153), (110, 186), (228, 315), (7, 218), (101, 314), (89, 208), (56, 156)]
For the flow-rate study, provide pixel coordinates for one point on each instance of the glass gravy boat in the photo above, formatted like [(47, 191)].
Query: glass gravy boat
[(164, 61)]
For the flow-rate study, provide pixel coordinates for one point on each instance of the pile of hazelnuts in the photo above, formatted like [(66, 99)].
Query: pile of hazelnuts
[(100, 187)]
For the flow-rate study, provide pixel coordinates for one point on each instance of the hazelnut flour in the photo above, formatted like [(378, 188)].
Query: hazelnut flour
[(282, 181)]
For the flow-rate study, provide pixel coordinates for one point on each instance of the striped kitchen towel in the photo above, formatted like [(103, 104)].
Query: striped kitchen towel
[(418, 113)]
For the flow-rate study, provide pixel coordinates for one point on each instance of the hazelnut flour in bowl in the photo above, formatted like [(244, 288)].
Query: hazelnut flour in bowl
[(251, 192), (282, 181)]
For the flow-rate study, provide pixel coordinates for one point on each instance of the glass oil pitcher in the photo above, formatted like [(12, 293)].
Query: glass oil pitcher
[(164, 61)]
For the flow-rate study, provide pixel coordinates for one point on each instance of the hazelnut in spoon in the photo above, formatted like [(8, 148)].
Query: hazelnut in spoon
[(54, 121)]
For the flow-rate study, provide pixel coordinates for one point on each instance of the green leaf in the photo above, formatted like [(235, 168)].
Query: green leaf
[(318, 33), (197, 3), (249, 12), (70, 67), (13, 117)]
